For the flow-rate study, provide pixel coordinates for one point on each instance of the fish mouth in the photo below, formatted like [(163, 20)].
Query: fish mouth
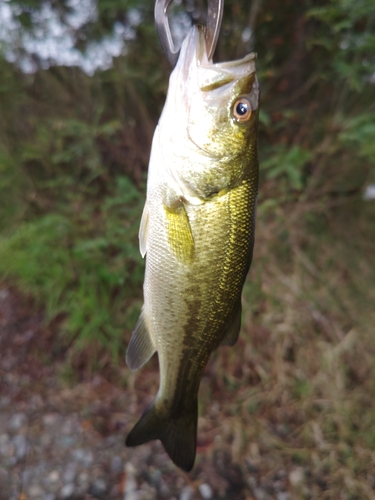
[(193, 55), (202, 92)]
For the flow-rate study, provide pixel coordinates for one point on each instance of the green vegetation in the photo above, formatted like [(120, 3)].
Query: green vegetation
[(73, 158)]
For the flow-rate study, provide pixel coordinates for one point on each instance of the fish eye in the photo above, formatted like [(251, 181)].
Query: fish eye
[(242, 110)]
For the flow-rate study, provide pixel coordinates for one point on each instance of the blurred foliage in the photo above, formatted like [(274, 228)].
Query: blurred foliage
[(83, 261), (73, 157), (68, 140)]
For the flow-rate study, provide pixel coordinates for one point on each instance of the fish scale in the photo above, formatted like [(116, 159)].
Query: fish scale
[(197, 232)]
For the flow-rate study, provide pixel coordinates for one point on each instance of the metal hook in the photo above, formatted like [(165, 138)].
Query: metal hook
[(214, 18)]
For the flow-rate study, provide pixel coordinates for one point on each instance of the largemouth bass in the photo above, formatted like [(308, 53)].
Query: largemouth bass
[(197, 229)]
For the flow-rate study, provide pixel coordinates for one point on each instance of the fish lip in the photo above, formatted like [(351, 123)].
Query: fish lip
[(237, 62), (194, 53)]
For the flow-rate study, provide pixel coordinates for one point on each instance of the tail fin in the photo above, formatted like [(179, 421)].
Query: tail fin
[(178, 434)]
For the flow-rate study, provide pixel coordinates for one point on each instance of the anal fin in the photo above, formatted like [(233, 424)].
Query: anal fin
[(233, 328), (141, 347)]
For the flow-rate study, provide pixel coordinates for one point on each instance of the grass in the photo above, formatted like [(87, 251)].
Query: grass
[(296, 392), (295, 395), (82, 261), (300, 383)]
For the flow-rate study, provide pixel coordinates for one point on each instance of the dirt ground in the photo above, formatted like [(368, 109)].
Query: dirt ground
[(62, 437)]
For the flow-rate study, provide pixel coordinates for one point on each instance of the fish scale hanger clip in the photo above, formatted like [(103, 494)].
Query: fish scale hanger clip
[(214, 18)]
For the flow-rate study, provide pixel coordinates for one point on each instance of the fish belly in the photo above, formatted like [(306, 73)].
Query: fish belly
[(197, 260), (192, 297)]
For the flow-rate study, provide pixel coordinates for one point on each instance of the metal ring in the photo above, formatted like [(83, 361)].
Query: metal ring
[(214, 18)]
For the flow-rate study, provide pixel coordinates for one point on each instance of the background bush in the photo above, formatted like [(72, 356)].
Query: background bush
[(73, 159)]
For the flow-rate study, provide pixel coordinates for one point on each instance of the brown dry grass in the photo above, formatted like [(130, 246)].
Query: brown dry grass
[(292, 402), (296, 394)]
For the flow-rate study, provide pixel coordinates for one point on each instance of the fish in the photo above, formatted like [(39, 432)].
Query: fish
[(197, 233)]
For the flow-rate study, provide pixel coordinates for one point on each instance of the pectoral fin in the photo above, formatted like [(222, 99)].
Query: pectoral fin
[(141, 347), (233, 329), (143, 231), (180, 236)]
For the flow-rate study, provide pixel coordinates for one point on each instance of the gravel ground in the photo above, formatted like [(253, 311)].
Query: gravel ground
[(66, 441)]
